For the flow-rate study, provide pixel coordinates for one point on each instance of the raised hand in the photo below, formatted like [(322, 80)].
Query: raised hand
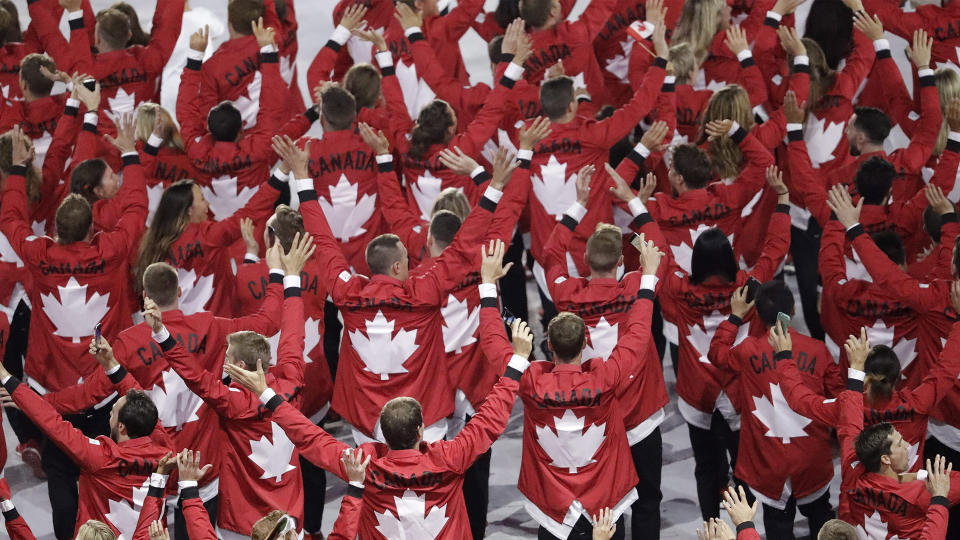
[(870, 26), (620, 189), (503, 167), (249, 240), (103, 353), (407, 17), (534, 132), (166, 464), (583, 184), (275, 256), (55, 76), (791, 42), (126, 134), (659, 38), (775, 180), (603, 524), (188, 464), (556, 70), (794, 112), (524, 47), (653, 138), (157, 531), (372, 36), (648, 184), (736, 40), (650, 256), (200, 38), (152, 315), (354, 464), (254, 381), (293, 157), (22, 147), (740, 307), (857, 349), (938, 476), (718, 128), (780, 341), (374, 138), (353, 16), (512, 35), (265, 35), (457, 161), (89, 98), (71, 5), (938, 201), (300, 252), (522, 338), (736, 504), (491, 265), (839, 201), (786, 7), (921, 49)]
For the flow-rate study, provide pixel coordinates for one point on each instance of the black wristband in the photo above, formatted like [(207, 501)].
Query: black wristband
[(333, 45), (489, 301), (783, 355), (192, 492), (645, 294), (311, 114), (131, 159), (801, 68), (855, 231), (276, 183), (883, 53), (569, 222), (949, 217), (744, 526), (734, 320), (386, 71), (385, 166), (11, 385), (771, 22), (642, 220), (168, 343), (194, 64), (487, 204), (270, 58), (76, 24), (482, 177), (854, 384), (415, 37), (936, 499), (739, 135), (276, 278), (18, 170), (118, 375), (354, 491), (274, 402), (795, 135), (927, 80), (291, 292), (660, 62), (783, 208), (747, 62), (12, 514), (155, 492), (952, 145), (513, 373)]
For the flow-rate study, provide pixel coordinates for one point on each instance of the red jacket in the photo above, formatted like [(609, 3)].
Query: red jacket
[(939, 22), (113, 476), (778, 445), (74, 286), (395, 345), (258, 459), (37, 119), (697, 311)]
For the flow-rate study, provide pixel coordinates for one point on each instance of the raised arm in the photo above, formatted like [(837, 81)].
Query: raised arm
[(167, 20), (777, 242), (154, 502), (721, 352), (14, 216), (195, 514), (17, 527), (190, 113), (290, 363)]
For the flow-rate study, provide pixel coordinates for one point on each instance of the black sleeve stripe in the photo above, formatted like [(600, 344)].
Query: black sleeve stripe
[(505, 57), (734, 320), (18, 170), (270, 58), (276, 278), (71, 111), (856, 231), (739, 135), (482, 177), (642, 220), (192, 492), (795, 135), (744, 526), (747, 62), (783, 208), (939, 499), (291, 292), (667, 87), (11, 385), (801, 68), (311, 114), (168, 344), (953, 146), (660, 62), (155, 492), (276, 183), (883, 53), (131, 159), (507, 81), (354, 491), (645, 294), (307, 195), (92, 128), (772, 23), (274, 402), (487, 204), (635, 157), (783, 355), (487, 301), (118, 375), (76, 24), (388, 70), (151, 150), (949, 217), (194, 64), (333, 45), (386, 166), (415, 37), (569, 222), (524, 163), (927, 80), (513, 373), (12, 514), (854, 384)]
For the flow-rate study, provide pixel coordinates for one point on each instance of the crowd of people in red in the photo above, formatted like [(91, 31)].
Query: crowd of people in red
[(188, 296)]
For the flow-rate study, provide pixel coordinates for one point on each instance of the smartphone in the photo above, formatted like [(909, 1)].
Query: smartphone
[(90, 84), (508, 317), (97, 331), (784, 321), (636, 241), (752, 285)]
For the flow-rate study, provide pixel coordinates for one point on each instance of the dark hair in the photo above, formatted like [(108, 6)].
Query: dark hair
[(830, 24), (161, 283), (873, 122), (30, 74), (604, 247), (137, 35), (873, 443), (431, 128), (382, 252), (555, 96), (10, 22), (113, 26), (363, 82), (169, 220), (883, 373), (400, 420), (495, 48), (138, 414), (74, 218), (224, 121), (444, 226), (873, 179), (567, 333), (281, 7), (712, 256), (338, 108), (890, 243), (242, 13), (506, 12), (693, 164), (86, 177), (773, 297), (33, 178), (289, 222), (536, 12)]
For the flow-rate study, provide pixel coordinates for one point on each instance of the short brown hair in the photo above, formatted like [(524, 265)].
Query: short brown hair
[(113, 26), (400, 420), (567, 334), (289, 222), (161, 283), (363, 82), (30, 74), (9, 23), (443, 227), (86, 177), (837, 529), (693, 165), (536, 12), (382, 252), (264, 526), (74, 218), (338, 108), (454, 200), (604, 247), (555, 96), (248, 347), (242, 13)]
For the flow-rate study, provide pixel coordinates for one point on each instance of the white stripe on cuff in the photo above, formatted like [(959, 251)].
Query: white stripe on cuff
[(303, 184), (636, 207), (74, 15), (162, 335), (158, 480), (649, 282), (513, 71), (340, 34), (518, 363), (881, 44), (412, 30), (525, 154), (744, 54), (487, 290), (193, 54), (802, 60), (384, 158), (774, 15), (855, 374), (493, 194), (576, 211), (641, 149), (926, 72), (267, 395), (291, 281)]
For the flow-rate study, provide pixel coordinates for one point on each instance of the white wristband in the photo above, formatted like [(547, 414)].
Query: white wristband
[(636, 207), (576, 211), (513, 71), (75, 103), (6, 505), (357, 484), (493, 194), (802, 60), (158, 480), (794, 127), (475, 172), (91, 117), (162, 335), (302, 184), (184, 484), (954, 136), (267, 395), (855, 374), (925, 72), (112, 370), (744, 54), (74, 15), (384, 158), (384, 59), (670, 79), (881, 44), (291, 281), (649, 282), (269, 48), (774, 15), (340, 34), (525, 154), (922, 474), (518, 363), (642, 150), (487, 290), (412, 30), (193, 54), (733, 128)]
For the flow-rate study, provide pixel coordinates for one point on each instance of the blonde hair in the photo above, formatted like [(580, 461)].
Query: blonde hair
[(147, 116), (248, 347), (604, 247), (683, 62), (948, 88), (822, 77), (733, 103), (698, 24), (454, 200), (264, 526), (95, 530)]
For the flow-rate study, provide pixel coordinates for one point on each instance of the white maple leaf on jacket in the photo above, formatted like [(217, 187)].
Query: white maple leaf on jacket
[(273, 455), (854, 268), (194, 292), (416, 92), (683, 253), (874, 528), (224, 197), (176, 404), (881, 334), (426, 188), (411, 521), (73, 314), (123, 515), (619, 65), (154, 193), (570, 447), (553, 188), (460, 324), (775, 413), (822, 139), (40, 146), (311, 338), (603, 338), (286, 69), (249, 104), (122, 103), (701, 336), (345, 214), (382, 352), (7, 253)]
